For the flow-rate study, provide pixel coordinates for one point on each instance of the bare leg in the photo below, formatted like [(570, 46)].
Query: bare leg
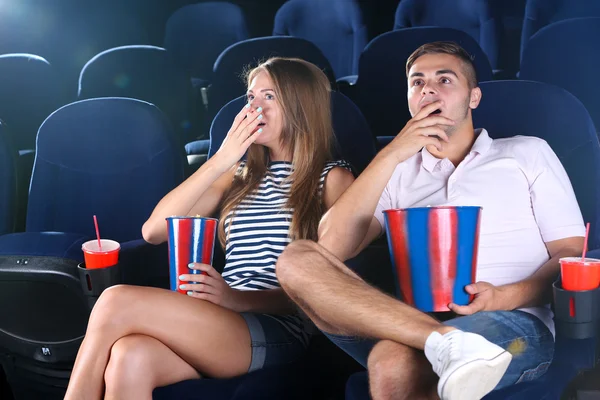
[(139, 364), (339, 302), (212, 339), (399, 372)]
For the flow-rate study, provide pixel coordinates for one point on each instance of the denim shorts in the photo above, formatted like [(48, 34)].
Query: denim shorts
[(272, 344), (527, 338)]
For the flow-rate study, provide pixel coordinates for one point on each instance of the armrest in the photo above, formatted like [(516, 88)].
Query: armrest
[(347, 80), (145, 264)]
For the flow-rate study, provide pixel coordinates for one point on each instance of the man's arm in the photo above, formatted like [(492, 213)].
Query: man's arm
[(349, 226), (537, 289), (534, 291)]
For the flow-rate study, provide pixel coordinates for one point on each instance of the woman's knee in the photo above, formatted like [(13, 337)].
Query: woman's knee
[(129, 363), (111, 306)]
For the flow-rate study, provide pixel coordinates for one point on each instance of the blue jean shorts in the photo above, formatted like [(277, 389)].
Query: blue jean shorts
[(524, 335), (272, 344)]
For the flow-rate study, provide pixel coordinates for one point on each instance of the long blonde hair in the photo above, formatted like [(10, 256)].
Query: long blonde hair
[(303, 92)]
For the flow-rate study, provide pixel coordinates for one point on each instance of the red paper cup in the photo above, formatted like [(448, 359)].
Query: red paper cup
[(580, 274), (95, 257)]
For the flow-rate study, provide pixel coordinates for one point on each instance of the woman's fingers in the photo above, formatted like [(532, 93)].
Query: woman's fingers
[(240, 117), (245, 127)]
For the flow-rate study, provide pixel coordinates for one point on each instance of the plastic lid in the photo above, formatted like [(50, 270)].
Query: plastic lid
[(107, 246), (581, 260)]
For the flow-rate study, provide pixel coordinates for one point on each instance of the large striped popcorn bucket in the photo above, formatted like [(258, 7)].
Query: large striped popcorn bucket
[(191, 240), (434, 254)]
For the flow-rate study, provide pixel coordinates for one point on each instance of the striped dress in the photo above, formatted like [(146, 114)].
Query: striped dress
[(258, 233)]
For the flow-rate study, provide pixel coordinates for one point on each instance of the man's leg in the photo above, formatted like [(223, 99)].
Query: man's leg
[(522, 334), (340, 303), (397, 371)]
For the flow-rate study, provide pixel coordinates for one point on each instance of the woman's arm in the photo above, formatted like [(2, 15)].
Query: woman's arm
[(202, 192), (336, 183)]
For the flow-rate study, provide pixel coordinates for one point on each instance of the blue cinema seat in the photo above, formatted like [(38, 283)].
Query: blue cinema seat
[(110, 157), (382, 84), (337, 27)]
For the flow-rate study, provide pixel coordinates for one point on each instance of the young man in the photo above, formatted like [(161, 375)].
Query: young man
[(530, 219)]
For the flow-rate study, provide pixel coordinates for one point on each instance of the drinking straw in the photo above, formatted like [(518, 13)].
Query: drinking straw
[(100, 242), (587, 234)]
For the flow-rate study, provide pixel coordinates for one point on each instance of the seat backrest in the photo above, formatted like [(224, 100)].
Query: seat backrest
[(382, 85), (8, 182), (229, 68), (479, 18), (567, 54), (539, 13), (110, 157), (29, 92), (509, 54), (510, 108), (140, 72), (196, 34), (335, 26), (355, 142)]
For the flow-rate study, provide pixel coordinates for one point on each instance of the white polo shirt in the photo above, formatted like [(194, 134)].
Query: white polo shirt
[(525, 193)]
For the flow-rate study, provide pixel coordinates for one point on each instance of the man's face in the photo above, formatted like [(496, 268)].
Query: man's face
[(435, 77)]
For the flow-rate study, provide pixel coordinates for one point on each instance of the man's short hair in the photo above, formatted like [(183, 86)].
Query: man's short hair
[(447, 48)]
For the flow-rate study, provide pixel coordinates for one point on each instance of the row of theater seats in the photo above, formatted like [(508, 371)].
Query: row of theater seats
[(116, 157), (501, 27), (148, 73), (340, 27), (197, 34)]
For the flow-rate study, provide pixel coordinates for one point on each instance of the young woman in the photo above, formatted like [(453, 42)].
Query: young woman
[(140, 338)]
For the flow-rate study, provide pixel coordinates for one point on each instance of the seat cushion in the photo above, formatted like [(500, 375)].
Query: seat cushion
[(197, 147)]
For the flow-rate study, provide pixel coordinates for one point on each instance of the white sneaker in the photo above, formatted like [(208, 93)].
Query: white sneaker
[(468, 365)]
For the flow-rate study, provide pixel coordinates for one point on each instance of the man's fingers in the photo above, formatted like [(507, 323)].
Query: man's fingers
[(478, 287), (461, 310), (475, 306), (433, 131), (428, 109), (433, 141), (434, 120)]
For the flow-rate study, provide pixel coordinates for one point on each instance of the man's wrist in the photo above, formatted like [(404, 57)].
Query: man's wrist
[(525, 293), (390, 155), (509, 296)]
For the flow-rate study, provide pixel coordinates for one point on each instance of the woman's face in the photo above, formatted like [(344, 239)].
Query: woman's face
[(261, 93)]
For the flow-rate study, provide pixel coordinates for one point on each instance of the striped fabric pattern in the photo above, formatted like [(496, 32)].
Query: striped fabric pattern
[(258, 233)]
